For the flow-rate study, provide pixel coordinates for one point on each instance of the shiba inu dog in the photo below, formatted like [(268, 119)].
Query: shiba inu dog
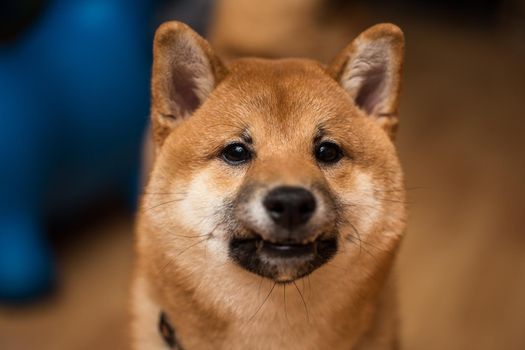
[(275, 204)]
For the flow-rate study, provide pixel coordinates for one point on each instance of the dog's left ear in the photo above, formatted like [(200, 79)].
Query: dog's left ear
[(369, 69)]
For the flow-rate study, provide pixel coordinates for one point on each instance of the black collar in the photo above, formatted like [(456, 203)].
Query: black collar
[(167, 332)]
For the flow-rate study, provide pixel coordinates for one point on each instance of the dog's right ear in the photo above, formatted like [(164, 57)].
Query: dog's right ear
[(185, 71), (369, 69)]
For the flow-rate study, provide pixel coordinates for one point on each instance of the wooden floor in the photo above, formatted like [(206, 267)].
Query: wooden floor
[(89, 310), (462, 266)]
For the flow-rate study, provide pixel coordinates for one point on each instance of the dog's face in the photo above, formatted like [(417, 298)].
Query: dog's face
[(273, 166)]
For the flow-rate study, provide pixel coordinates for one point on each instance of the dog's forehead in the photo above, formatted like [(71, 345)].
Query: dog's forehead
[(274, 68), (286, 102), (284, 89)]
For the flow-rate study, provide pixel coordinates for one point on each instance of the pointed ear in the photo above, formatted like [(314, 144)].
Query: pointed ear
[(185, 71), (369, 69)]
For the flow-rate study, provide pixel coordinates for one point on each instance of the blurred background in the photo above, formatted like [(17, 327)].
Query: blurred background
[(74, 99)]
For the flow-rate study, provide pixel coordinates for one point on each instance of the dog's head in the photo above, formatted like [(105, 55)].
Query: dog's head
[(276, 166)]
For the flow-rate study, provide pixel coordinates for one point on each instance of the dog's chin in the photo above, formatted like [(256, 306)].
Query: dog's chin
[(282, 262)]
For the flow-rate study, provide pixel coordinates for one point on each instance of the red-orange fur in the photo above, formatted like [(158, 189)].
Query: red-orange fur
[(213, 303)]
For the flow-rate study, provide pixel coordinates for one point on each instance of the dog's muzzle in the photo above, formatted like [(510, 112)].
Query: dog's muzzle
[(281, 261), (290, 246)]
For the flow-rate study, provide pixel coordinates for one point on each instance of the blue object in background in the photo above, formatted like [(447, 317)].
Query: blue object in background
[(74, 96)]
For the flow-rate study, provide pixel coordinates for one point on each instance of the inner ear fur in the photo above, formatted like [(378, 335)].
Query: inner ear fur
[(370, 69), (185, 71)]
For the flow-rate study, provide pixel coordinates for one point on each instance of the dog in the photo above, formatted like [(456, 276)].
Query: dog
[(275, 204)]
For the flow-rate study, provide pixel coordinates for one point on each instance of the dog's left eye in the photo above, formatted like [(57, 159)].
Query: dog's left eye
[(236, 153), (328, 152)]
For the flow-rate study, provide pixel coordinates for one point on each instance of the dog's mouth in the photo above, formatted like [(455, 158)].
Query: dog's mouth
[(282, 261)]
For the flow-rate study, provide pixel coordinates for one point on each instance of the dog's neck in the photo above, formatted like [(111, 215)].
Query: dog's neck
[(313, 310)]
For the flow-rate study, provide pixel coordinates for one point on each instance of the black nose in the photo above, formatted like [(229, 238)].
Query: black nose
[(290, 207)]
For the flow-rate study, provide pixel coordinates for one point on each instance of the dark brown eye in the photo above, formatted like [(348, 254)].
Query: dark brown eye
[(328, 152), (236, 153)]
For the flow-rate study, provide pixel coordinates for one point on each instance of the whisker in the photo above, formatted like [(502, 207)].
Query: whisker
[(191, 246), (195, 236), (332, 264), (170, 261), (407, 189), (284, 299), (161, 204), (358, 236), (350, 238), (207, 235), (264, 301), (304, 302), (164, 193), (259, 288), (165, 266), (390, 200), (309, 287), (387, 200)]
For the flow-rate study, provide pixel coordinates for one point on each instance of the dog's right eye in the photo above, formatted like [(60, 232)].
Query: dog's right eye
[(236, 153)]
